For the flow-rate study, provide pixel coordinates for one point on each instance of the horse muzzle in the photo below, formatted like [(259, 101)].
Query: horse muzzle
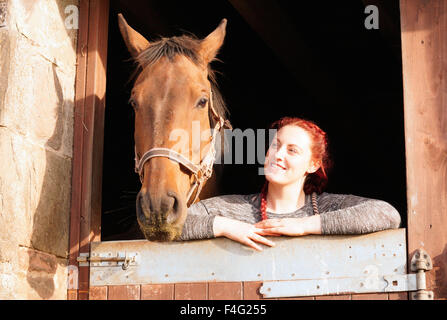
[(161, 216)]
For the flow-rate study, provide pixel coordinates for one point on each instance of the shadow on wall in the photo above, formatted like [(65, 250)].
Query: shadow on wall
[(51, 217)]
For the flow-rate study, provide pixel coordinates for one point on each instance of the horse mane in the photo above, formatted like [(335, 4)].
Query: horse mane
[(186, 45)]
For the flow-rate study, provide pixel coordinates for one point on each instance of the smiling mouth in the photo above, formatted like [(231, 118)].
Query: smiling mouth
[(275, 165)]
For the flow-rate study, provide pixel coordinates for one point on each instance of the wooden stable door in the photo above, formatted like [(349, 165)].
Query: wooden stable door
[(313, 267), (355, 267)]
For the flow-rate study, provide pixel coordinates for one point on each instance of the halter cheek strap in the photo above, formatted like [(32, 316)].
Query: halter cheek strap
[(201, 172)]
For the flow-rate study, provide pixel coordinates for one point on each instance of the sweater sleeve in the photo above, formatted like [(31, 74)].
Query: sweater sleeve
[(200, 219), (358, 215), (198, 223)]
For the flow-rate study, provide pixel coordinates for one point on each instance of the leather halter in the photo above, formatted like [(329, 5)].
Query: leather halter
[(202, 172)]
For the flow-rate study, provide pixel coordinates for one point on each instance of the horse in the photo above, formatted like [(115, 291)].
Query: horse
[(174, 97)]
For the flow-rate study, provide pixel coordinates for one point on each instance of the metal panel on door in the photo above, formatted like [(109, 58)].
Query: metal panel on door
[(357, 263)]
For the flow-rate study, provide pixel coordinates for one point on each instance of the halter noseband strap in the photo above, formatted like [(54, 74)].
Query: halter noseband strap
[(201, 172)]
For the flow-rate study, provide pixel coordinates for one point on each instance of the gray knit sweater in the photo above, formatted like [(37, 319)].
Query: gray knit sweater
[(340, 214)]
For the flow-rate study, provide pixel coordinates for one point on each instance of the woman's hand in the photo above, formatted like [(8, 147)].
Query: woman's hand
[(290, 226), (242, 232)]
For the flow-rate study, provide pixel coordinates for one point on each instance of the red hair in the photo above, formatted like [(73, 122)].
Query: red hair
[(317, 181)]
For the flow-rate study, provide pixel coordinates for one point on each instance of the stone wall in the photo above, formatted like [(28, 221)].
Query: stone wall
[(37, 77)]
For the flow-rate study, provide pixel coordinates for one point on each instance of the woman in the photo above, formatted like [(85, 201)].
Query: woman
[(291, 202)]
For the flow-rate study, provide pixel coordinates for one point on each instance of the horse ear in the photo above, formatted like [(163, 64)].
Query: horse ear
[(135, 42), (211, 44)]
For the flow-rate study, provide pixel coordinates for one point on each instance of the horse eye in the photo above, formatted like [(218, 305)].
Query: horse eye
[(133, 104), (202, 103)]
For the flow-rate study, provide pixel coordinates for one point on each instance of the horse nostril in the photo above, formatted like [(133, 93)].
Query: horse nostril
[(143, 208), (173, 214), (166, 209)]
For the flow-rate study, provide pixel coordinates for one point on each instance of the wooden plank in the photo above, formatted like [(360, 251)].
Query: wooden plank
[(83, 295), (124, 292), (95, 101), (99, 115), (398, 296), (94, 93), (78, 148), (191, 291), (89, 99), (424, 52), (157, 292), (251, 290), (370, 296), (225, 291), (72, 294), (76, 198), (98, 293)]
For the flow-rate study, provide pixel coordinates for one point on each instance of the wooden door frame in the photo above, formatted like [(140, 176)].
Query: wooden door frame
[(424, 54), (88, 137), (426, 216)]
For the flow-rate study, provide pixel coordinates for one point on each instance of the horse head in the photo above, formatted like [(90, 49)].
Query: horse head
[(177, 106)]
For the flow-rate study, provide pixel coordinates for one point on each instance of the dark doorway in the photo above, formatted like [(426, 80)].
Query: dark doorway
[(316, 61)]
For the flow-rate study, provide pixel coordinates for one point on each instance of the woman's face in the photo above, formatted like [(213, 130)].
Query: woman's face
[(289, 158)]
